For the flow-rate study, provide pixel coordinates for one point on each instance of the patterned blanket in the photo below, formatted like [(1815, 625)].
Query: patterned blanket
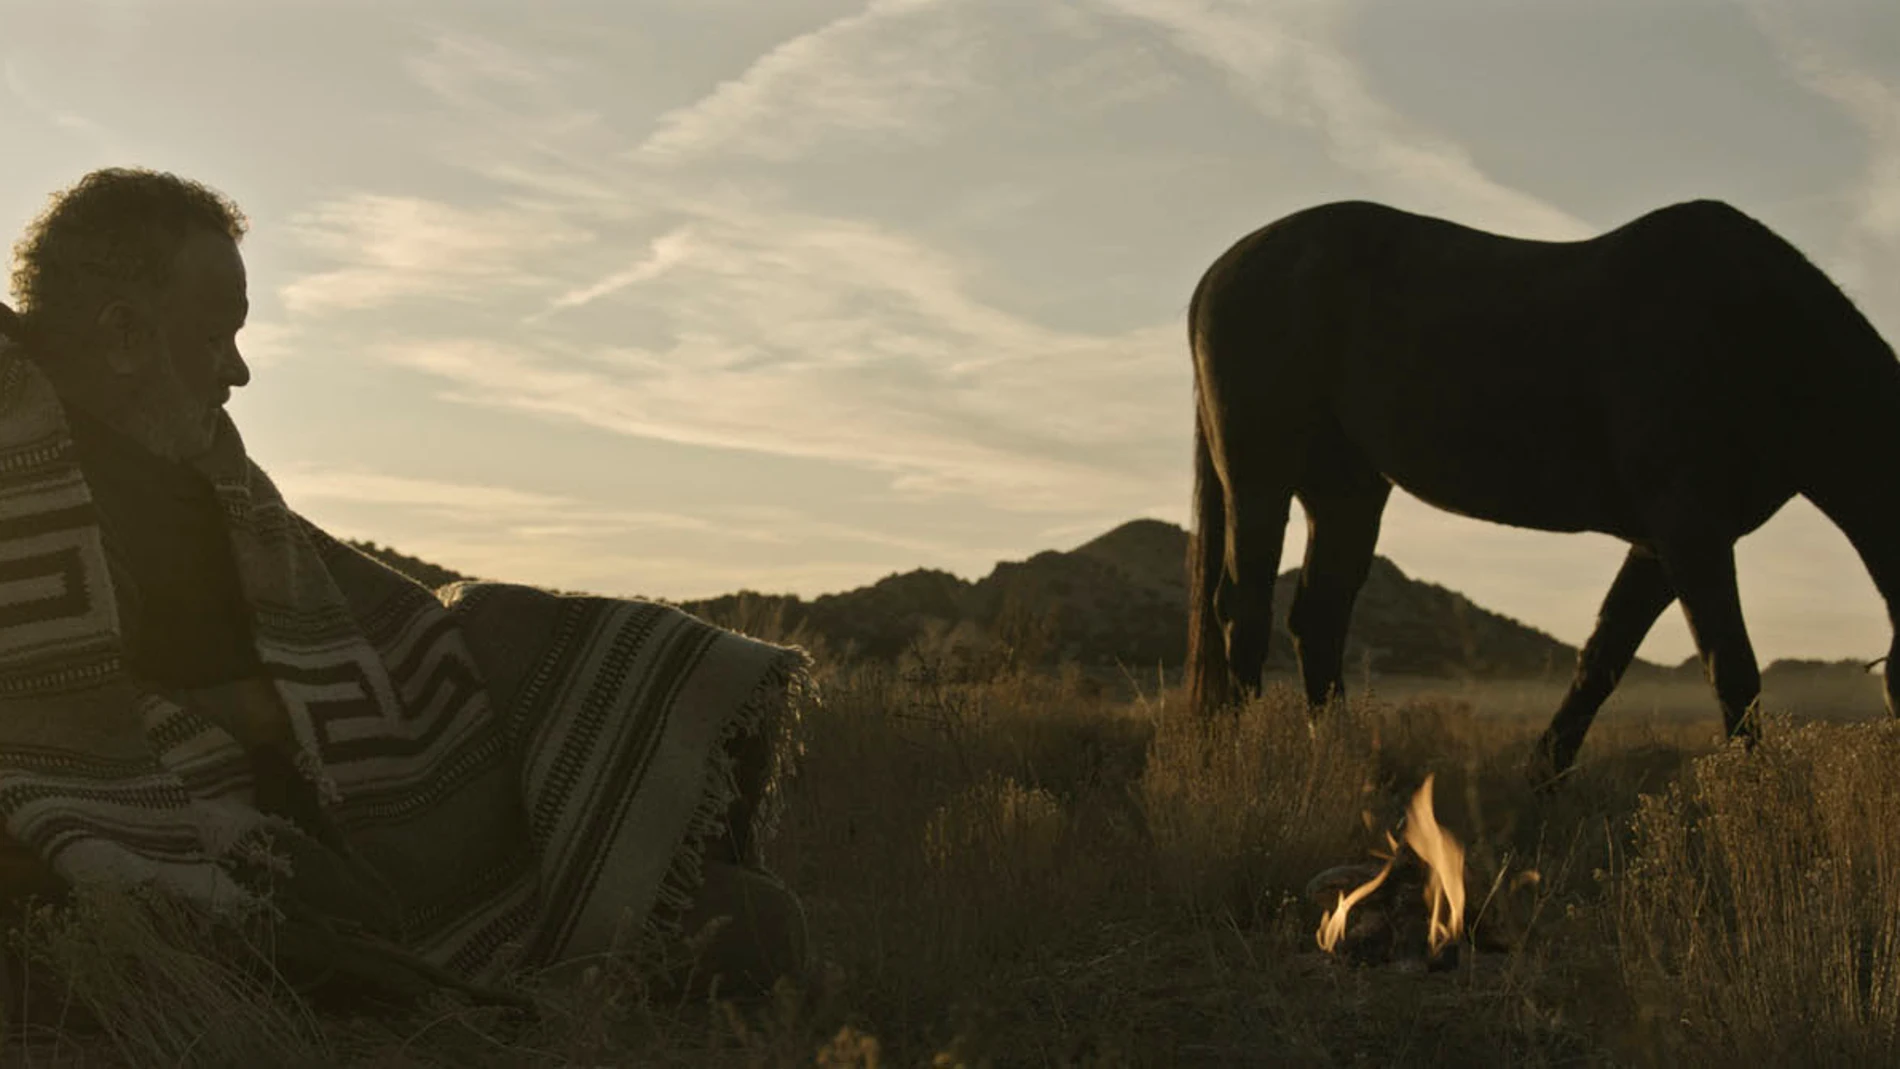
[(518, 777)]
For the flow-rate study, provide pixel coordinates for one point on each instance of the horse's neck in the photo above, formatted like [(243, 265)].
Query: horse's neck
[(1855, 482)]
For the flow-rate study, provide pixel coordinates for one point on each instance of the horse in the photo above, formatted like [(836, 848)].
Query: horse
[(1672, 382)]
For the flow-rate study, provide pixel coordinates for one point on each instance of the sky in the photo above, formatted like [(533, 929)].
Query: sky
[(679, 297)]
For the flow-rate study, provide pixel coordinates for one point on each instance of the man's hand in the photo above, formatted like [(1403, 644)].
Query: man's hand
[(251, 711)]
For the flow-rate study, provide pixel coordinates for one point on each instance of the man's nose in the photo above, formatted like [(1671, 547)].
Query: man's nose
[(232, 370)]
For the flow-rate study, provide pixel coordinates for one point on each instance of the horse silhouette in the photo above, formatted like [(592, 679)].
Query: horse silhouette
[(1672, 382)]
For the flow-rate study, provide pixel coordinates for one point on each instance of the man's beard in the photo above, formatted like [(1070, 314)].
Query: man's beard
[(153, 409), (166, 423)]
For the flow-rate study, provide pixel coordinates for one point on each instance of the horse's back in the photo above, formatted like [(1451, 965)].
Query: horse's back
[(1357, 282), (1380, 247), (1360, 290)]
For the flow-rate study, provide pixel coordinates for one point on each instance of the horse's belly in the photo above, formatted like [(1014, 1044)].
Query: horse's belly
[(1517, 504), (1550, 473)]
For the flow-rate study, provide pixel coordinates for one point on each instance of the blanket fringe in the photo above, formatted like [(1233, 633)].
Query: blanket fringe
[(777, 703)]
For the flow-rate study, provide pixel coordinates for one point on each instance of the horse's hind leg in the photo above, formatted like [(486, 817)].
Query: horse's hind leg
[(1261, 400), (1256, 529), (1344, 497), (1638, 596), (1258, 460)]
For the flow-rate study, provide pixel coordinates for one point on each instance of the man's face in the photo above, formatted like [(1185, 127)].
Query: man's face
[(177, 353)]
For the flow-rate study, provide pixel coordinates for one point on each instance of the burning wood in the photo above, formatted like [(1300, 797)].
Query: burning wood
[(1373, 913)]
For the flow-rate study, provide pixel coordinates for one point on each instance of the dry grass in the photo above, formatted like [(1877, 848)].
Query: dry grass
[(1008, 870), (1759, 914)]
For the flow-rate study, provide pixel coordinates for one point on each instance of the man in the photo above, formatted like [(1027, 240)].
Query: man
[(202, 691)]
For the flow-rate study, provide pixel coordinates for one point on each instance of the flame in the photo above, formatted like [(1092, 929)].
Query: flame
[(1444, 860), (1332, 926)]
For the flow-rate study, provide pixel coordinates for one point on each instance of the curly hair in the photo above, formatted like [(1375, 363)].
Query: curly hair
[(113, 234)]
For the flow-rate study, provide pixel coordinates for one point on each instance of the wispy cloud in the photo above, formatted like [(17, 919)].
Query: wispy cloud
[(14, 76), (266, 343), (539, 515), (438, 498), (823, 335), (1286, 60), (839, 338), (1869, 261), (468, 71), (1875, 104), (529, 139), (1870, 264), (666, 251), (774, 330), (559, 540), (393, 248), (882, 71), (1026, 449), (805, 333)]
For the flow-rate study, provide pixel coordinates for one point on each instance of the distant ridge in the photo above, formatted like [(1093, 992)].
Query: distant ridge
[(1120, 598)]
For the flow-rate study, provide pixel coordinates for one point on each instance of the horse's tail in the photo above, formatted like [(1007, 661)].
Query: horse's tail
[(1206, 674)]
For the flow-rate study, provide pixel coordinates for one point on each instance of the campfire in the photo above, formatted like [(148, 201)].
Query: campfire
[(1376, 915)]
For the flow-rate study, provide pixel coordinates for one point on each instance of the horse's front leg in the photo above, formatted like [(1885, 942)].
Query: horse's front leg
[(1701, 568), (1892, 677), (1637, 597)]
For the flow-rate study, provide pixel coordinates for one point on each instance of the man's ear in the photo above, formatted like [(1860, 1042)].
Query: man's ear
[(120, 328)]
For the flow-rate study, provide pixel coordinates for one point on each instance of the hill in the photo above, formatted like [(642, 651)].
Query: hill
[(1120, 598)]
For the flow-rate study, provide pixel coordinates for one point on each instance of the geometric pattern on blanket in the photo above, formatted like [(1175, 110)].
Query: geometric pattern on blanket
[(525, 775)]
